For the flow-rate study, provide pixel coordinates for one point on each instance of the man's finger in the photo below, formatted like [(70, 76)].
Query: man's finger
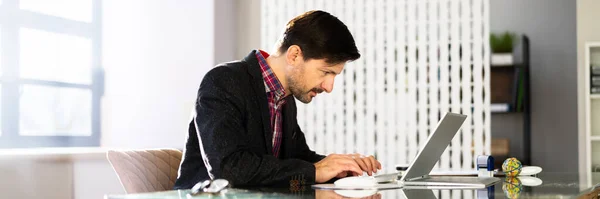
[(348, 163), (347, 160), (363, 165), (344, 157), (353, 168), (370, 165), (377, 163), (372, 161)]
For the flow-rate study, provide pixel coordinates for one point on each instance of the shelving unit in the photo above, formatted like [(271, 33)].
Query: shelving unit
[(520, 93), (592, 113)]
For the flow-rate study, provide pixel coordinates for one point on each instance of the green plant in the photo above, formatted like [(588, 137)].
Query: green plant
[(502, 43)]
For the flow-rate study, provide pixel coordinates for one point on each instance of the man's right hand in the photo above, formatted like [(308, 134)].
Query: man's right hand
[(334, 165)]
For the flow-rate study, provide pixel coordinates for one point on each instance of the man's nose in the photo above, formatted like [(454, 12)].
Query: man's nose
[(327, 85)]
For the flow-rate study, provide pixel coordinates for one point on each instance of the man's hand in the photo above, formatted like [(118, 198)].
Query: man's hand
[(368, 164), (334, 165)]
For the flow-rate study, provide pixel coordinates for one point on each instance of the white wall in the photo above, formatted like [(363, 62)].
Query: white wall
[(155, 53), (248, 27), (225, 30)]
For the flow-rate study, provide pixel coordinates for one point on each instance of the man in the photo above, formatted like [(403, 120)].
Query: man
[(245, 128)]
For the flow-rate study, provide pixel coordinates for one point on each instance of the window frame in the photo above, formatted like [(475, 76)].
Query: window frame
[(11, 20)]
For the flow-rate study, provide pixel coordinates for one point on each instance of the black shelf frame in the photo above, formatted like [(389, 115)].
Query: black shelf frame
[(521, 56)]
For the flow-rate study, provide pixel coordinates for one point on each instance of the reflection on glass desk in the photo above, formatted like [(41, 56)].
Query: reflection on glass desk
[(554, 185)]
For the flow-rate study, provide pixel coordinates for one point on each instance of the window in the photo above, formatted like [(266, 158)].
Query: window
[(50, 75)]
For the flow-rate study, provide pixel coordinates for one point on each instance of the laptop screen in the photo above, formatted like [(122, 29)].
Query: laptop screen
[(434, 147)]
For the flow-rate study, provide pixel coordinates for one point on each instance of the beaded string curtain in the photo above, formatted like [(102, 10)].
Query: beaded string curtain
[(420, 59)]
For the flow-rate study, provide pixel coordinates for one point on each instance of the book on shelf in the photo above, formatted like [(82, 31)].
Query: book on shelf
[(499, 107), (595, 81), (595, 69), (501, 59), (507, 87)]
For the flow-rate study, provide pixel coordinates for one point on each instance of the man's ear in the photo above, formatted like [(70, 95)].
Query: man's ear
[(293, 55)]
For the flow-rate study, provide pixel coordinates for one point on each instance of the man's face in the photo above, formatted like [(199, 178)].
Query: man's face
[(311, 77)]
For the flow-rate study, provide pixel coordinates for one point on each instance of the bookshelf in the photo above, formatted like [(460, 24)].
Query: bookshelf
[(510, 82), (592, 112), (510, 93)]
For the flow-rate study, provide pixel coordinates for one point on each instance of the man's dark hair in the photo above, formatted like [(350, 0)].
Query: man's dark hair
[(320, 35)]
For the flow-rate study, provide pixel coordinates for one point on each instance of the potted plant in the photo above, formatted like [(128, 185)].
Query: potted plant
[(502, 48)]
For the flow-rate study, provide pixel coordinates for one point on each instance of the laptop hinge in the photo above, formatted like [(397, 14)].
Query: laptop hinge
[(418, 178)]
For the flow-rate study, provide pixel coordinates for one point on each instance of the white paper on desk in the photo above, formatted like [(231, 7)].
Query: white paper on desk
[(375, 187)]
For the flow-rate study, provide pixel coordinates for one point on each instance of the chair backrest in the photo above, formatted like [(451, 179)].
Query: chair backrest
[(145, 170)]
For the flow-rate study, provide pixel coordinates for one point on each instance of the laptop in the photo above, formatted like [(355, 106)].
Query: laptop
[(418, 171), (418, 174)]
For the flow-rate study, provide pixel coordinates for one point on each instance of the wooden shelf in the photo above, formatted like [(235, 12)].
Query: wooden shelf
[(595, 138), (595, 96)]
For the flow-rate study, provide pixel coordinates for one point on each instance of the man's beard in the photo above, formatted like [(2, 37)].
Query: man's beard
[(296, 87)]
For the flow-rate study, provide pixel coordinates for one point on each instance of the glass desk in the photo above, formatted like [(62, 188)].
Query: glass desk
[(554, 185)]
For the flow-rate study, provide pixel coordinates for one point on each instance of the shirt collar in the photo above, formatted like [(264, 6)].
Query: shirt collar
[(272, 83)]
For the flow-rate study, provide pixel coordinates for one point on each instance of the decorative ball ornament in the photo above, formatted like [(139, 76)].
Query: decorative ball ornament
[(512, 187), (512, 167)]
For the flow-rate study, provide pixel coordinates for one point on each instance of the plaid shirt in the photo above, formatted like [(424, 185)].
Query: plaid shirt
[(275, 93)]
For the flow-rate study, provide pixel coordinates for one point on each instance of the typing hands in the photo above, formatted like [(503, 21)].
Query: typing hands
[(342, 165)]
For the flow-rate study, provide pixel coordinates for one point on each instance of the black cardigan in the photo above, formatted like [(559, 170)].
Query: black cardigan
[(230, 134)]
